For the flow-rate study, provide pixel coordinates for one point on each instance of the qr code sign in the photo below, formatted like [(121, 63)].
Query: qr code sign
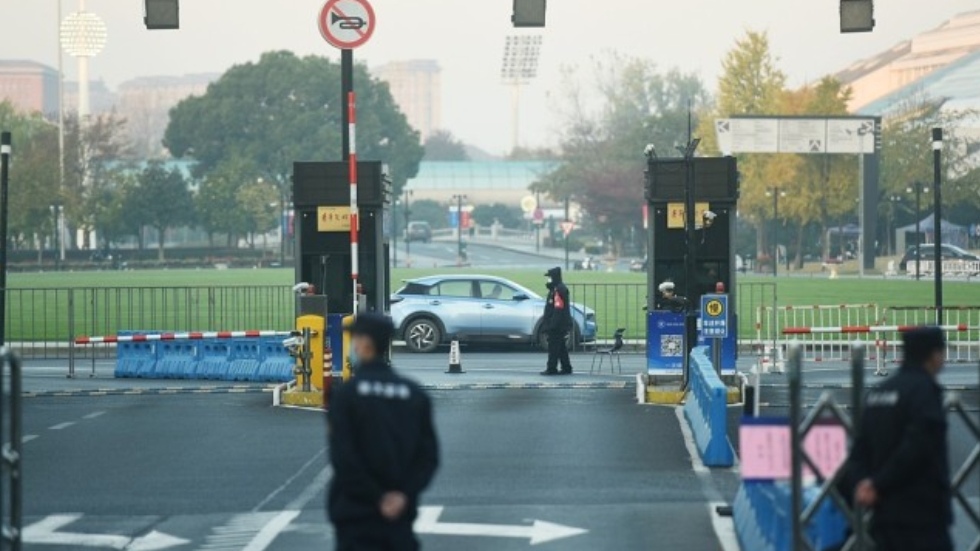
[(671, 345)]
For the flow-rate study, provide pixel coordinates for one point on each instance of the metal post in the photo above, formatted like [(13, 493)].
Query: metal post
[(716, 355), (5, 150), (775, 232), (459, 228), (937, 180), (795, 418), (567, 219), (857, 406), (346, 87), (283, 225), (690, 265)]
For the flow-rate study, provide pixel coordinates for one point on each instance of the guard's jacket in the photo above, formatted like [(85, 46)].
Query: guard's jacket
[(557, 316), (901, 446), (381, 439)]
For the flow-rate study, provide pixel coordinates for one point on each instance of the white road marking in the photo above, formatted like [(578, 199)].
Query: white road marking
[(48, 532), (27, 438), (93, 415), (61, 426), (538, 532), (724, 528), (256, 531)]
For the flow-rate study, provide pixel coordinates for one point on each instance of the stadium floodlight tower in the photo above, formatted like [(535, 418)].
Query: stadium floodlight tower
[(520, 67), (83, 36)]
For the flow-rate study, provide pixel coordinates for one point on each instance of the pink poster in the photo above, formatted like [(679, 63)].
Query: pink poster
[(764, 451)]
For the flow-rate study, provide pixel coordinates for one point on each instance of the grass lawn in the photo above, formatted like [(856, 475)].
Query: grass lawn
[(100, 307)]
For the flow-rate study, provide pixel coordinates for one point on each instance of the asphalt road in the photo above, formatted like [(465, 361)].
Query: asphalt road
[(228, 472)]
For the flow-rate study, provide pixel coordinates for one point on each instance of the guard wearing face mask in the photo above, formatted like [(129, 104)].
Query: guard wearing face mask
[(556, 324), (383, 447)]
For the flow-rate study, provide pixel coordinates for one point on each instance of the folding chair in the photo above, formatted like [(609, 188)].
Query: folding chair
[(610, 352)]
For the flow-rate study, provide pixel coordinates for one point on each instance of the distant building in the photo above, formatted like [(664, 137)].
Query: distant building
[(145, 103), (906, 63), (416, 86), (30, 86), (102, 99)]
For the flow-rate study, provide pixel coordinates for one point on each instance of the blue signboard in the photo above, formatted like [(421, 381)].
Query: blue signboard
[(714, 316)]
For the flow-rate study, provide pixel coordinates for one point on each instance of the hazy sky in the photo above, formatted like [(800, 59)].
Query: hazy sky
[(467, 36)]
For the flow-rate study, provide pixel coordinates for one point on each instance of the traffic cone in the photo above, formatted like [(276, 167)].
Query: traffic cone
[(455, 360)]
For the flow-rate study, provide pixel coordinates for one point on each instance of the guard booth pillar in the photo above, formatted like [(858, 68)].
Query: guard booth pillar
[(311, 313), (321, 198), (715, 189)]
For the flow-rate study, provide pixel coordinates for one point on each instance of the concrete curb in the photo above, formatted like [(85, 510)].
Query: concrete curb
[(147, 391)]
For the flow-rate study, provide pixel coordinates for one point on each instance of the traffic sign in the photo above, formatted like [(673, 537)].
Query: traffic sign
[(714, 316), (567, 226), (538, 217), (347, 24)]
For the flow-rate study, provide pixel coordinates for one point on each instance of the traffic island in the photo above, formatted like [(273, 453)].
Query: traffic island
[(664, 391), (291, 395)]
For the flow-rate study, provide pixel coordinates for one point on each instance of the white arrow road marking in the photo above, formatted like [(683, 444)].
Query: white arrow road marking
[(46, 532), (539, 532)]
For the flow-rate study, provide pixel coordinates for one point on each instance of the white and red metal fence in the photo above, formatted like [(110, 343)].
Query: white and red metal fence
[(189, 336)]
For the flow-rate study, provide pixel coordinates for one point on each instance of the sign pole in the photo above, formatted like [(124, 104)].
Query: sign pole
[(348, 24), (5, 151)]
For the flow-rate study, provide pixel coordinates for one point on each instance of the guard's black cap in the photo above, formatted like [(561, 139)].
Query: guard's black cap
[(921, 342), (377, 327), (554, 273)]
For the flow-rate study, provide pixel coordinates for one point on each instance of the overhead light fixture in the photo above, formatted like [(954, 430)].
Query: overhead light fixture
[(857, 16), (529, 13), (162, 14)]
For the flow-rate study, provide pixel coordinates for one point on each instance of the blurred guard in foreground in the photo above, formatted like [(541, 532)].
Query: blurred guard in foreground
[(900, 457), (556, 323), (383, 447)]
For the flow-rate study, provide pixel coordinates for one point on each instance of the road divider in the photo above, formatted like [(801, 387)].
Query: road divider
[(706, 411)]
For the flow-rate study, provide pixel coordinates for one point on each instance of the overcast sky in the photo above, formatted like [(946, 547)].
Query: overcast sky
[(467, 36)]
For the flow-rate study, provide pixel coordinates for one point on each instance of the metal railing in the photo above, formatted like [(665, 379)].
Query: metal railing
[(42, 322), (11, 440), (963, 475), (617, 305)]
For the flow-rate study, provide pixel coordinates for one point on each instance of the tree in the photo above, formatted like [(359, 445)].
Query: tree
[(257, 203), (751, 84), (217, 200), (443, 146), (284, 109), (34, 176), (427, 210), (486, 215), (163, 201), (602, 146)]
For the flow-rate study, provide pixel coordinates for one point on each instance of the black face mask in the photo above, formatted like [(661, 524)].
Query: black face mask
[(550, 285)]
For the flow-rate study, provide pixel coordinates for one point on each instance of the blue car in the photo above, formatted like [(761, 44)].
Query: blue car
[(430, 311)]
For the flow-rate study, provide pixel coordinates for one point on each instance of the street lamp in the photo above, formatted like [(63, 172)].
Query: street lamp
[(460, 254), (775, 192), (394, 232), (519, 67), (892, 201), (408, 214), (57, 215), (83, 36), (937, 222), (918, 188)]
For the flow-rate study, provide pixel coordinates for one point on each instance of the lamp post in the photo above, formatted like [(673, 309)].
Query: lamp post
[(937, 180), (407, 214), (57, 213), (918, 188), (520, 66), (459, 228), (690, 263), (83, 36), (775, 192), (892, 201)]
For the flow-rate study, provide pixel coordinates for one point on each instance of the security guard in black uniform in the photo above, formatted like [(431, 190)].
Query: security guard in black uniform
[(556, 323), (668, 299), (383, 447), (900, 458)]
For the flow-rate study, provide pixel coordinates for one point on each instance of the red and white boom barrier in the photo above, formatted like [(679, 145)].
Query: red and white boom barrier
[(191, 336)]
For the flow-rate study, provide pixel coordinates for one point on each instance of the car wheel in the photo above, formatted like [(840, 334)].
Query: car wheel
[(423, 335)]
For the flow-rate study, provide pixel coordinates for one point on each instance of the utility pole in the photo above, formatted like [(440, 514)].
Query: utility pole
[(460, 255), (937, 181)]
